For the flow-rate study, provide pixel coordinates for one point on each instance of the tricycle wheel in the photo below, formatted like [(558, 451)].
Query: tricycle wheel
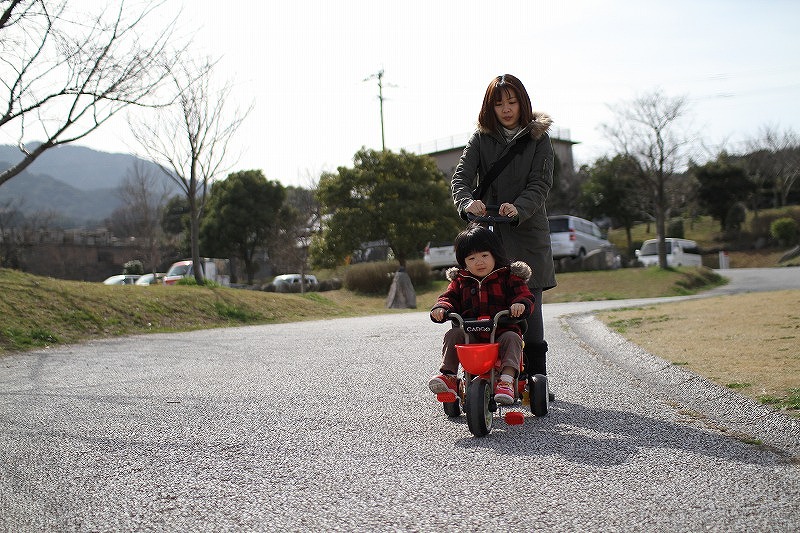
[(479, 417), (538, 394), (452, 409)]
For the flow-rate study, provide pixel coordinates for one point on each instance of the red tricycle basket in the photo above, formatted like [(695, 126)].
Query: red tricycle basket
[(478, 358)]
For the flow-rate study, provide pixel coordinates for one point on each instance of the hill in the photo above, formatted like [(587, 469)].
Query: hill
[(76, 182)]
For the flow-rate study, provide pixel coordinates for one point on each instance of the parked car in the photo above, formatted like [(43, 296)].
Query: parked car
[(294, 279), (571, 236), (178, 270), (440, 255), (217, 270), (680, 252), (121, 279), (151, 279)]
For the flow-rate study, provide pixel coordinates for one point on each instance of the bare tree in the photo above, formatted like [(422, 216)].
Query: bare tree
[(144, 195), (66, 72), (776, 154), (20, 232), (11, 219), (300, 220), (189, 140), (646, 131)]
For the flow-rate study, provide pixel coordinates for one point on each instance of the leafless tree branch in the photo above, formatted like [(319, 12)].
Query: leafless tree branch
[(63, 78)]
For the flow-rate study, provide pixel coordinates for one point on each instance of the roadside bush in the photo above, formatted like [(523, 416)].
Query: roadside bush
[(333, 284), (762, 225), (134, 267), (736, 216), (675, 228), (191, 282), (376, 278), (784, 230)]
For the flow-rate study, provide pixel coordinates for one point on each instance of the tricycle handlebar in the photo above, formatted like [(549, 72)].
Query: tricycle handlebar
[(485, 325)]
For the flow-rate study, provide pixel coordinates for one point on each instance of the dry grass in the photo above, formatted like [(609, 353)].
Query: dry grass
[(748, 342), (629, 283)]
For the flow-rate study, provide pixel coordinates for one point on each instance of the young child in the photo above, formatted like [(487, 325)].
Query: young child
[(486, 283)]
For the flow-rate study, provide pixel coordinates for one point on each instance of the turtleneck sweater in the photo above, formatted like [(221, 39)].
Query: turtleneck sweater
[(509, 134)]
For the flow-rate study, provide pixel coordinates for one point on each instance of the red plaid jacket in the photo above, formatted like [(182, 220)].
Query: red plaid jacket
[(471, 297)]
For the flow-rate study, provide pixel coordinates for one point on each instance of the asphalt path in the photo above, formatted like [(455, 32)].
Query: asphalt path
[(329, 426)]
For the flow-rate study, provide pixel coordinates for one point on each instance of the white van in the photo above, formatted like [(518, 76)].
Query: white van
[(680, 252), (571, 236)]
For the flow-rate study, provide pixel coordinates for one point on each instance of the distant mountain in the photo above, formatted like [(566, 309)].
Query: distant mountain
[(77, 182), (78, 166)]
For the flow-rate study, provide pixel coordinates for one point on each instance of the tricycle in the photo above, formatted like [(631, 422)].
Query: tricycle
[(480, 368)]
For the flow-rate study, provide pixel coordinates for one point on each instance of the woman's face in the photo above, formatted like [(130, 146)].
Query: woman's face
[(507, 109), (479, 264)]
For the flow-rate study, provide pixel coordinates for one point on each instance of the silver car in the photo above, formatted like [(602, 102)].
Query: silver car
[(571, 236)]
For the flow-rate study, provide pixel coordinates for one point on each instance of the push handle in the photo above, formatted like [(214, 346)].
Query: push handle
[(493, 218)]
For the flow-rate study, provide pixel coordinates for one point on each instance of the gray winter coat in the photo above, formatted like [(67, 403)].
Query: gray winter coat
[(524, 182)]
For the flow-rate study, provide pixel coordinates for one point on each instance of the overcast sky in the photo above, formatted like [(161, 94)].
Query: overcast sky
[(304, 64)]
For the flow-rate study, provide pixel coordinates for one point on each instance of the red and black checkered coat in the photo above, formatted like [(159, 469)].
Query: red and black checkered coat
[(471, 297)]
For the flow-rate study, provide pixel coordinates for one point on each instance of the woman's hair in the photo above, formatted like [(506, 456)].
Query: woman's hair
[(500, 86), (477, 238)]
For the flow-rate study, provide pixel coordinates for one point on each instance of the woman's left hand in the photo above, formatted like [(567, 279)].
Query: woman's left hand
[(517, 309), (508, 210)]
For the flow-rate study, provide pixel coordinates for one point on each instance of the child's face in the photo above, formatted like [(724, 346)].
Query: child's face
[(479, 263)]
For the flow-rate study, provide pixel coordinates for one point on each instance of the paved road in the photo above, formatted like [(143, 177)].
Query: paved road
[(328, 426)]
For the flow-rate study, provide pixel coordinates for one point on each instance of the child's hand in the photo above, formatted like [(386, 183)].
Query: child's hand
[(437, 314), (517, 309)]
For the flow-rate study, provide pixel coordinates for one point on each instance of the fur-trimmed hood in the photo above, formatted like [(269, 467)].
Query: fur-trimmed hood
[(517, 268), (538, 126)]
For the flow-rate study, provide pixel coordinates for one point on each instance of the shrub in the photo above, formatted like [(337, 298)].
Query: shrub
[(784, 230), (333, 284), (675, 228), (736, 216), (761, 226), (191, 282), (134, 267)]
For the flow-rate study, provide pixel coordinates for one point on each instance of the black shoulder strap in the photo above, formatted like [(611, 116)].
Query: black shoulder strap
[(498, 166)]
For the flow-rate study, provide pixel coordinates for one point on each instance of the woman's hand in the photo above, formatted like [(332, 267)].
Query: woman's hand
[(438, 314), (477, 208), (517, 309), (508, 210)]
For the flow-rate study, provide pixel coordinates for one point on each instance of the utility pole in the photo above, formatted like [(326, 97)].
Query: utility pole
[(379, 76)]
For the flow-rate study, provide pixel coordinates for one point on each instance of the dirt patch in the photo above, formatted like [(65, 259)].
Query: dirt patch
[(748, 342)]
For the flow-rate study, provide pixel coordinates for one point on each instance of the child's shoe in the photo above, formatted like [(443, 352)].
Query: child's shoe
[(504, 392), (443, 383)]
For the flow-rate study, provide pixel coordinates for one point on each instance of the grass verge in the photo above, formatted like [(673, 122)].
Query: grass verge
[(38, 311), (746, 342)]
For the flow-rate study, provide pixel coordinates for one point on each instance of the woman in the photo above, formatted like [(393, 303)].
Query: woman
[(519, 185)]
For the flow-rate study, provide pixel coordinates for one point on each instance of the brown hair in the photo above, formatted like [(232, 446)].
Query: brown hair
[(500, 86)]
